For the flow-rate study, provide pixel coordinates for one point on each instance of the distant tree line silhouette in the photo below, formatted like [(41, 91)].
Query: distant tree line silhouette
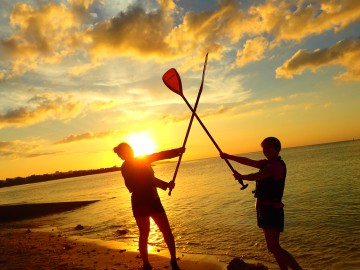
[(54, 176)]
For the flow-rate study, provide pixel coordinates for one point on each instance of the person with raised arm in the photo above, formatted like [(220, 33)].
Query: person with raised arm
[(270, 183), (142, 184)]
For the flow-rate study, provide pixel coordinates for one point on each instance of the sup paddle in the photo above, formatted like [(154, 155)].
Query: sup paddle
[(172, 80)]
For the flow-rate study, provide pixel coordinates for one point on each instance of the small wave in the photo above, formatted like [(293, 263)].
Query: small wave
[(193, 243)]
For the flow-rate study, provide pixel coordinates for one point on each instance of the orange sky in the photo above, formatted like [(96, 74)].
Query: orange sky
[(78, 77)]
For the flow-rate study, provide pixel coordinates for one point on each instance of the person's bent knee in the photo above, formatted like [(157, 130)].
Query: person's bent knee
[(273, 248)]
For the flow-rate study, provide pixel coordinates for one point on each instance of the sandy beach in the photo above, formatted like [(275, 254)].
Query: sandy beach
[(27, 249), (34, 248)]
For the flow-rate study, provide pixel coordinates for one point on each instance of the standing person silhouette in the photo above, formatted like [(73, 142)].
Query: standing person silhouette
[(270, 183), (141, 182)]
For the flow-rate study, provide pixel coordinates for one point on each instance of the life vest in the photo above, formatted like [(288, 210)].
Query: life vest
[(270, 190)]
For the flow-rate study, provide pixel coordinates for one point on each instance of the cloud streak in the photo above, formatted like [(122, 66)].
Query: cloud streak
[(22, 149), (16, 149), (40, 108), (345, 53), (253, 51), (86, 136)]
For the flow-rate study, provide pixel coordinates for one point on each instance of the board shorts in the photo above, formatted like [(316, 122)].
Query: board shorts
[(269, 217), (147, 209)]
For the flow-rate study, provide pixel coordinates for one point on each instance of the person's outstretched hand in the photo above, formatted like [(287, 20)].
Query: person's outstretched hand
[(181, 150), (238, 176), (224, 155), (171, 185)]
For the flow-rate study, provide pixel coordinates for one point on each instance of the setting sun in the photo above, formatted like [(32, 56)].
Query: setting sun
[(142, 143)]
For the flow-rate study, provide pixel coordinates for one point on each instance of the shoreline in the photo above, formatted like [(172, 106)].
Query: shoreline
[(39, 249), (33, 246), (36, 249)]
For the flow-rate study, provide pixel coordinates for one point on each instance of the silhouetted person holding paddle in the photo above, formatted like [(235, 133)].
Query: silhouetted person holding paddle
[(270, 183), (142, 184)]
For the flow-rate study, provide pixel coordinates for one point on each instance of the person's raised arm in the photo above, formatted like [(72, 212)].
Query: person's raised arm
[(166, 154), (241, 160)]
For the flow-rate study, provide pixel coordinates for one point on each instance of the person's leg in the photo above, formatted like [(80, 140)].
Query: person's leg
[(143, 224), (163, 223), (272, 238), (283, 258)]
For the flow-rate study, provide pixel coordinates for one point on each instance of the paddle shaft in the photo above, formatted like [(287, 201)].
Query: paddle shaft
[(186, 137), (212, 139), (191, 121), (185, 140)]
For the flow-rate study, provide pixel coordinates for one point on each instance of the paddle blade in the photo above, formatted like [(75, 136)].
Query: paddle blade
[(172, 80)]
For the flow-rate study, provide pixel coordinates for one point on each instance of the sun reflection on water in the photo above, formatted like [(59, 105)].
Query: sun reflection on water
[(155, 238)]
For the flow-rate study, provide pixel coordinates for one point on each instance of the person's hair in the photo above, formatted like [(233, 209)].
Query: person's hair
[(273, 141), (121, 148)]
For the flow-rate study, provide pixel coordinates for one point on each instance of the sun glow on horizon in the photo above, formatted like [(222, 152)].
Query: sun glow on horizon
[(142, 143)]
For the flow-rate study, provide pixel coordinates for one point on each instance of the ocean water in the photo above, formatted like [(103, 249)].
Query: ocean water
[(210, 215)]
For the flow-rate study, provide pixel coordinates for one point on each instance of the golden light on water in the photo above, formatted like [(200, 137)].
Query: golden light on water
[(155, 238), (142, 143)]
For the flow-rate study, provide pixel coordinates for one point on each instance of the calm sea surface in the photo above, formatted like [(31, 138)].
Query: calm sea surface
[(210, 215)]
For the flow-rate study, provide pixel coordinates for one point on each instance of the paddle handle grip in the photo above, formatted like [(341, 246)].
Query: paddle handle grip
[(170, 189)]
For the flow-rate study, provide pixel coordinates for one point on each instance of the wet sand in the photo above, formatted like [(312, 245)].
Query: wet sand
[(28, 249), (40, 249)]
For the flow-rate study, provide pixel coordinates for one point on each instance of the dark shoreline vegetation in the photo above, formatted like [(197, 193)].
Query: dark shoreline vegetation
[(35, 178), (54, 176)]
